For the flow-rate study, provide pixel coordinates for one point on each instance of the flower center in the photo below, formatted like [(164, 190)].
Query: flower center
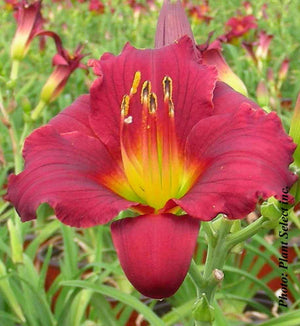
[(153, 164)]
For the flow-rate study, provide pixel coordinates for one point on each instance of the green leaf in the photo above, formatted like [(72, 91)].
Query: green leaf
[(71, 259), (48, 230), (15, 242), (7, 316), (220, 319), (103, 310), (78, 307), (258, 282), (116, 294), (290, 318), (8, 293), (32, 295), (178, 313)]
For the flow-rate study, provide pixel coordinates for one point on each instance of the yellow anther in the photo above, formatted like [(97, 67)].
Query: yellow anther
[(167, 85), (145, 93), (171, 108), (152, 103), (125, 105), (135, 83)]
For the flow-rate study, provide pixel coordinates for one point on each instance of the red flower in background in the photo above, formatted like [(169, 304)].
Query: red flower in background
[(11, 4), (199, 12), (96, 6), (283, 70), (64, 63), (211, 54), (29, 23), (139, 7), (238, 27), (173, 23), (259, 51), (159, 135)]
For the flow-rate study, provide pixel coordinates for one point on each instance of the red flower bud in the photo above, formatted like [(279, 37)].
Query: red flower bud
[(29, 23)]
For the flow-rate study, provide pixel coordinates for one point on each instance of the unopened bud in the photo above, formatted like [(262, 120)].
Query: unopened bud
[(218, 275), (203, 311), (262, 94), (26, 106), (283, 70), (270, 209)]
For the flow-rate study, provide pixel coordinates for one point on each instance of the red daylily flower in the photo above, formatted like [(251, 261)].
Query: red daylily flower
[(65, 63), (264, 41), (211, 54), (96, 6), (238, 26), (262, 93), (139, 7), (10, 4), (158, 134), (259, 51), (248, 7), (199, 12), (283, 70), (30, 22)]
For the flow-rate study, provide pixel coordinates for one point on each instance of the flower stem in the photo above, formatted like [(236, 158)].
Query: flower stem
[(38, 109), (216, 256), (220, 241), (24, 133), (202, 323), (245, 233), (14, 70), (208, 282), (8, 123), (196, 276)]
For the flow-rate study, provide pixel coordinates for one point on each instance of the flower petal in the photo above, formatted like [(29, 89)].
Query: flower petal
[(67, 171), (227, 100), (176, 61), (245, 155), (59, 60), (155, 251), (74, 118), (212, 55)]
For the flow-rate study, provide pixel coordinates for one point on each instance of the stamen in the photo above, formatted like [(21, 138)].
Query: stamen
[(128, 120), (171, 108), (135, 83), (125, 105), (146, 90), (152, 161), (152, 103), (168, 87)]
